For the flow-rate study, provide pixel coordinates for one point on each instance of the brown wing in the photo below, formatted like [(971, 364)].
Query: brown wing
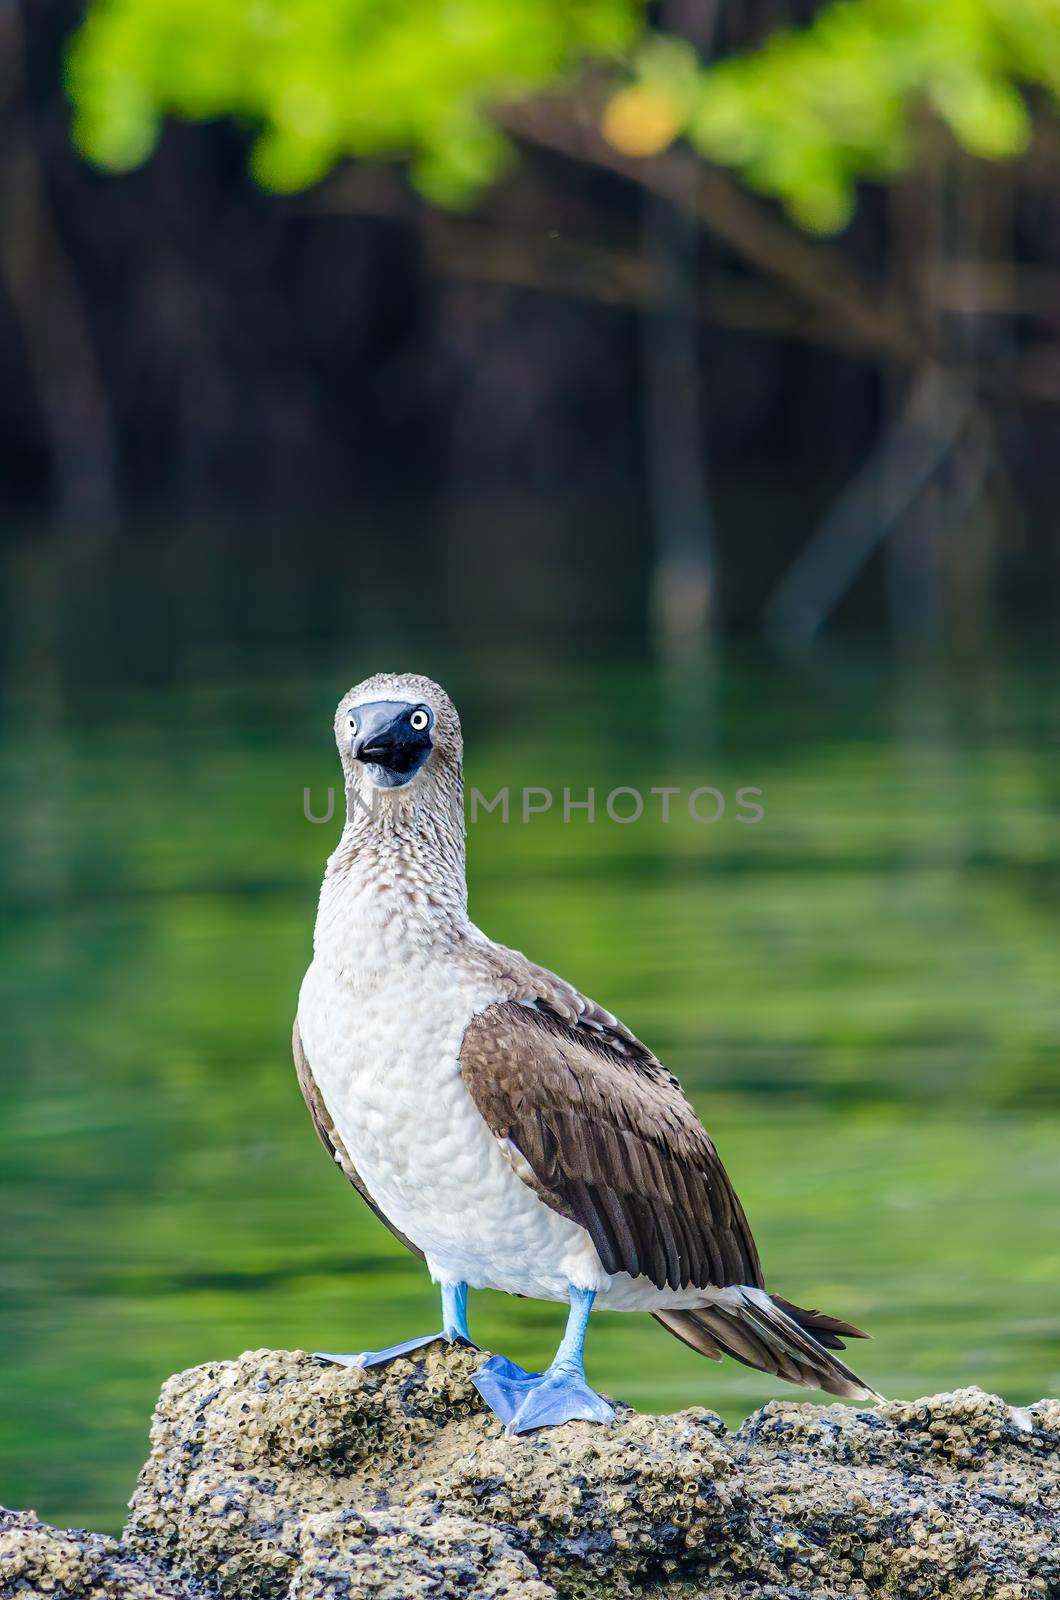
[(602, 1132), (329, 1138)]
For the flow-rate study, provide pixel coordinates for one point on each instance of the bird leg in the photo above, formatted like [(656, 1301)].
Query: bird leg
[(454, 1331), (525, 1400)]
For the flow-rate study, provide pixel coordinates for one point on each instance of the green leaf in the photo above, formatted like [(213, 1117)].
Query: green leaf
[(803, 118)]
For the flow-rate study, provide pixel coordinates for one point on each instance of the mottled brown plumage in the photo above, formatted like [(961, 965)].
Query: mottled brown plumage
[(602, 1132), (611, 1142)]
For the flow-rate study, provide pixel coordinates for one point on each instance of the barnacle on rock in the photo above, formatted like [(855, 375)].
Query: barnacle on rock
[(276, 1477), (65, 1565)]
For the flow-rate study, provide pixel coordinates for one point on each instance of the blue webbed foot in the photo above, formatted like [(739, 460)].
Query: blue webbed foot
[(504, 1386), (525, 1400), (454, 1331), (379, 1358)]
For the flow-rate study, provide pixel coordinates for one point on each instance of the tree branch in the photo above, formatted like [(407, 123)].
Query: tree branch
[(812, 271), (484, 253)]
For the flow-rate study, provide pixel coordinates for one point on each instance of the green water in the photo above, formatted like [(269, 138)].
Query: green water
[(860, 992)]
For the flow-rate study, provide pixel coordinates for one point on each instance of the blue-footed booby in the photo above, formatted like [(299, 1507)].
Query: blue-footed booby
[(507, 1129)]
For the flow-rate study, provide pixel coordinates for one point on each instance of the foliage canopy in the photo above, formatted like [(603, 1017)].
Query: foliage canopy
[(801, 118)]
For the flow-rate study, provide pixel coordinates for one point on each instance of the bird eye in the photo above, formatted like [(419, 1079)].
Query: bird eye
[(353, 724), (419, 720)]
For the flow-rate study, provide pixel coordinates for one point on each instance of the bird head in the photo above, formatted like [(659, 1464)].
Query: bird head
[(398, 734)]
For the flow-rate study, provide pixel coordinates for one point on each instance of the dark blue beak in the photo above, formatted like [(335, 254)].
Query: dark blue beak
[(388, 744)]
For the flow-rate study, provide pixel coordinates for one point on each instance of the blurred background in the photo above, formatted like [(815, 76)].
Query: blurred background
[(680, 385)]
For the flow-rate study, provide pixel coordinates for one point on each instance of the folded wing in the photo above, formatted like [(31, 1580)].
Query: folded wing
[(603, 1133)]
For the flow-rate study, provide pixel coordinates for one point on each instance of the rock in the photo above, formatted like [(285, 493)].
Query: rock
[(274, 1476), (38, 1560)]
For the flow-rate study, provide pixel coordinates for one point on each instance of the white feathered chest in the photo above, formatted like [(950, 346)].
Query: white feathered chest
[(382, 1015)]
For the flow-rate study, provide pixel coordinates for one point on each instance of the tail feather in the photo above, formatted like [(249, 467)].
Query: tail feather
[(826, 1330), (771, 1335)]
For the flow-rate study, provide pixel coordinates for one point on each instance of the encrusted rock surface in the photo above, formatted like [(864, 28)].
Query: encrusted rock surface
[(38, 1560), (274, 1476)]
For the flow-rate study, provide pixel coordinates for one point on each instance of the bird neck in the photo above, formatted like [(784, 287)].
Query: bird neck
[(396, 886)]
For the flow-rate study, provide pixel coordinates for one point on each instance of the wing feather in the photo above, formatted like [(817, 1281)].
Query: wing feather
[(610, 1140)]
